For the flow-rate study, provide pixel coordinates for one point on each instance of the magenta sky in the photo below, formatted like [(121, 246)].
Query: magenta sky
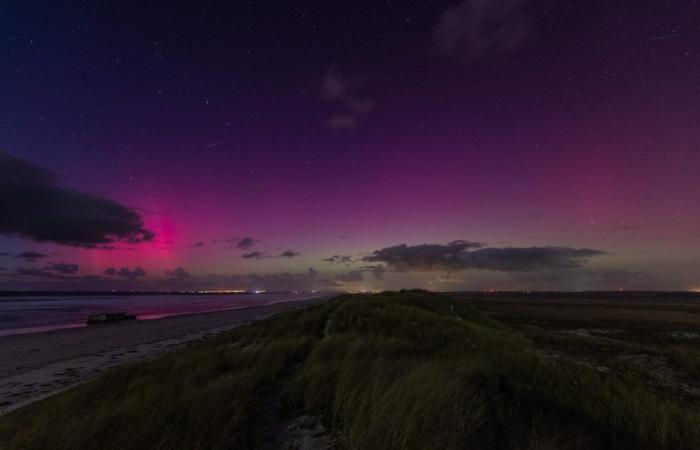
[(352, 129)]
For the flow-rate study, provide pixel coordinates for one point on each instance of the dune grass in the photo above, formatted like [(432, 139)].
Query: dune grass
[(404, 370), (687, 357)]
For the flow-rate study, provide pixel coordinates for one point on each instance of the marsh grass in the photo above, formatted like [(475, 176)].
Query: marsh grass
[(404, 370)]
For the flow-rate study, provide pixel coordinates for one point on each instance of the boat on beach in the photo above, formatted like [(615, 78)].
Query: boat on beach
[(104, 318)]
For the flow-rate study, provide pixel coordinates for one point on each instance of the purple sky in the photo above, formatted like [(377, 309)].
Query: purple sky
[(561, 136)]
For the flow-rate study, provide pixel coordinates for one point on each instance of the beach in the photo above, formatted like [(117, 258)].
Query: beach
[(35, 366)]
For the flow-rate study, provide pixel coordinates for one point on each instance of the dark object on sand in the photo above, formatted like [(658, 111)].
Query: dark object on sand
[(98, 319)]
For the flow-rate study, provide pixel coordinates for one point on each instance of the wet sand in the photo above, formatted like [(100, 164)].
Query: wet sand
[(35, 366)]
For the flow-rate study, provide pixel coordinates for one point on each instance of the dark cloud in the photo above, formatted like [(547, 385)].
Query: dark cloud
[(260, 255), (136, 272), (254, 255), (32, 272), (199, 244), (340, 259), (64, 268), (355, 276), (4, 254), (178, 274), (31, 256), (342, 94), (474, 29), (424, 257), (244, 243), (34, 206), (126, 272), (48, 274), (457, 256), (376, 270)]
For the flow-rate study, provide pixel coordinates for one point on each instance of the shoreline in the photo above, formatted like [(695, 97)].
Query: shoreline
[(144, 317), (37, 365)]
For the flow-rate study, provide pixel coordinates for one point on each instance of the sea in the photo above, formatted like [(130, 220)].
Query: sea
[(22, 315)]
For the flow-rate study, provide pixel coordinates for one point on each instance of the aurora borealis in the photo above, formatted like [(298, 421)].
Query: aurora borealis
[(508, 144)]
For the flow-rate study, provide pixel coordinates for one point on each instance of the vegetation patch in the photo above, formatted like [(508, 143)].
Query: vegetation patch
[(402, 370)]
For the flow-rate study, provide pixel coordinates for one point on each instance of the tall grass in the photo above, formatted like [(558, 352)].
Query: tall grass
[(687, 357), (405, 370)]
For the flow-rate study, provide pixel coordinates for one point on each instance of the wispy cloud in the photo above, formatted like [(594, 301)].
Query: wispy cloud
[(254, 255), (338, 259), (474, 29), (64, 268), (258, 254), (46, 274), (178, 274), (245, 243), (125, 272), (348, 105), (31, 255)]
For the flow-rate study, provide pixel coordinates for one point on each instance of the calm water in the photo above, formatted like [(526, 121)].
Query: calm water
[(33, 314)]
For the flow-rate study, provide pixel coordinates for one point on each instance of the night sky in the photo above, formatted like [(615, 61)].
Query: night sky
[(478, 144)]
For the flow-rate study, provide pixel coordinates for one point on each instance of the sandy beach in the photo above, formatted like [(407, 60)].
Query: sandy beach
[(35, 366)]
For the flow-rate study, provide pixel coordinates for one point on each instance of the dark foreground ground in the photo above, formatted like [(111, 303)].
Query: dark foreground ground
[(408, 370), (656, 335)]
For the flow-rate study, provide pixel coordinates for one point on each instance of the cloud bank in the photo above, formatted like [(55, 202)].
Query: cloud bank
[(464, 255), (34, 206)]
